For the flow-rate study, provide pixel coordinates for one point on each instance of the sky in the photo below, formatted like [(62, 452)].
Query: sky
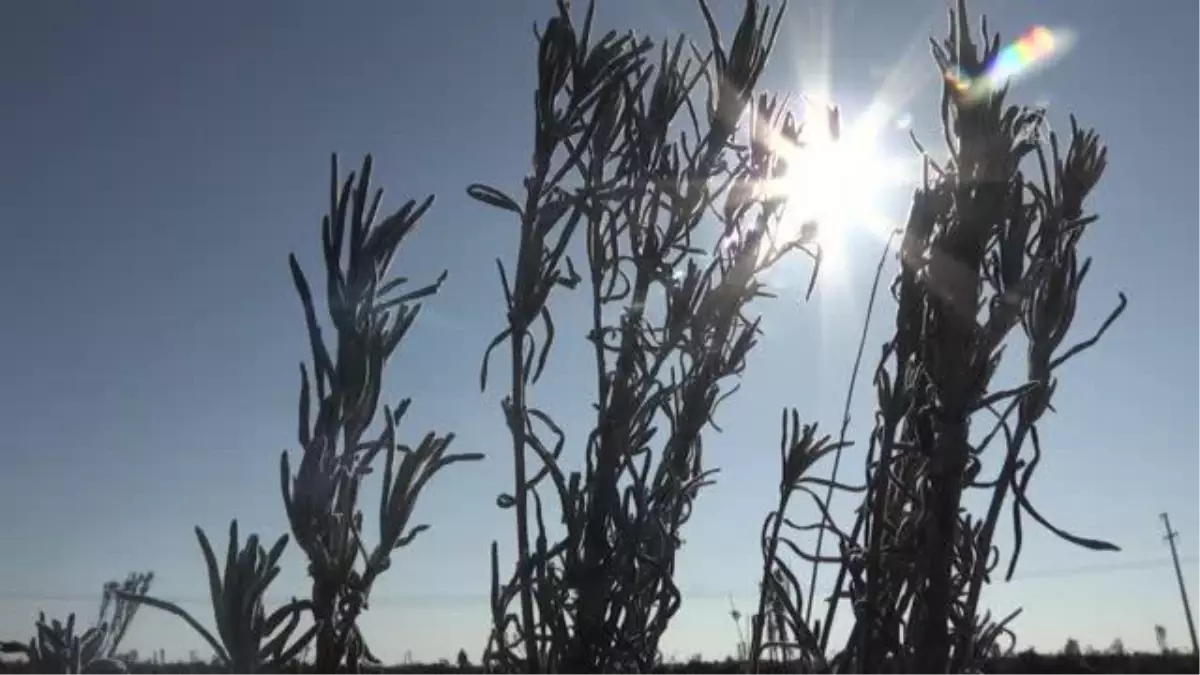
[(162, 159)]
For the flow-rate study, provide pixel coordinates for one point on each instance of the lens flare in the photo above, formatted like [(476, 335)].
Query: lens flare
[(1034, 48)]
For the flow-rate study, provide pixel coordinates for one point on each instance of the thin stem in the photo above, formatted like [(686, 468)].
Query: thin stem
[(516, 424), (993, 515), (757, 621), (837, 455)]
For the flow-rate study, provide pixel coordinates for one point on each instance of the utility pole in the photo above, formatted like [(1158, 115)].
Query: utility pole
[(1187, 608)]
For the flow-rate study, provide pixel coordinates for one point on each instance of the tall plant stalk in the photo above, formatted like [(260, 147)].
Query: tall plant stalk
[(985, 250), (624, 154), (370, 315)]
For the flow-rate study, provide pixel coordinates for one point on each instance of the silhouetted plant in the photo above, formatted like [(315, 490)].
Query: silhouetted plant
[(985, 250), (370, 317), (57, 648), (247, 639), (623, 156)]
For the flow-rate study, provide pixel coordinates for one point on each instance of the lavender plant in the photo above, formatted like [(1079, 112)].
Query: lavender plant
[(117, 609), (623, 156), (985, 250), (57, 648), (370, 315), (247, 639)]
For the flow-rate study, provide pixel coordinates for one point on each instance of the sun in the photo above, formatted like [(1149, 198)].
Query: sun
[(840, 184)]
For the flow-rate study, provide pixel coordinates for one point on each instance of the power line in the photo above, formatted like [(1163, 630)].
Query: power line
[(1098, 569), (471, 598)]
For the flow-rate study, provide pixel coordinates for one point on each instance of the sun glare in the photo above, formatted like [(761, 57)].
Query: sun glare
[(850, 185), (840, 184)]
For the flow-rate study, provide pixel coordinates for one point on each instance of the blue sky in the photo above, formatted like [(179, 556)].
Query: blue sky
[(162, 159)]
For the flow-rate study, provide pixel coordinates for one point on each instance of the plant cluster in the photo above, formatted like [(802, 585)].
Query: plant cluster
[(988, 249), (659, 189), (57, 648), (1027, 661), (626, 158)]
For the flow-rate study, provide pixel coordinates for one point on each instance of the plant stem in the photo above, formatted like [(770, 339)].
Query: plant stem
[(757, 621), (993, 515), (837, 455), (516, 424)]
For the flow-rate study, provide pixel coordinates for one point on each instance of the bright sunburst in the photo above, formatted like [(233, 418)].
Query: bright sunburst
[(839, 183)]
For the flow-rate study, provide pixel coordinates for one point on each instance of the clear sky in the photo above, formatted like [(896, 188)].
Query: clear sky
[(162, 159)]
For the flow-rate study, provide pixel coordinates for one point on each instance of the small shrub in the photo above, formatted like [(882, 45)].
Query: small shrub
[(57, 648)]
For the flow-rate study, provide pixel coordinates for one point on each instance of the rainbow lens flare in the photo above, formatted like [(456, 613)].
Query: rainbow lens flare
[(1035, 47)]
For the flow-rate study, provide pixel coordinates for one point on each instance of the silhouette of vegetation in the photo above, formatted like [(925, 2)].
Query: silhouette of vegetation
[(1023, 662), (635, 142), (986, 249), (247, 640), (623, 158), (57, 648)]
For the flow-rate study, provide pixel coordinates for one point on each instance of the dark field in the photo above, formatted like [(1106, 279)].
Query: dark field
[(1022, 663)]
